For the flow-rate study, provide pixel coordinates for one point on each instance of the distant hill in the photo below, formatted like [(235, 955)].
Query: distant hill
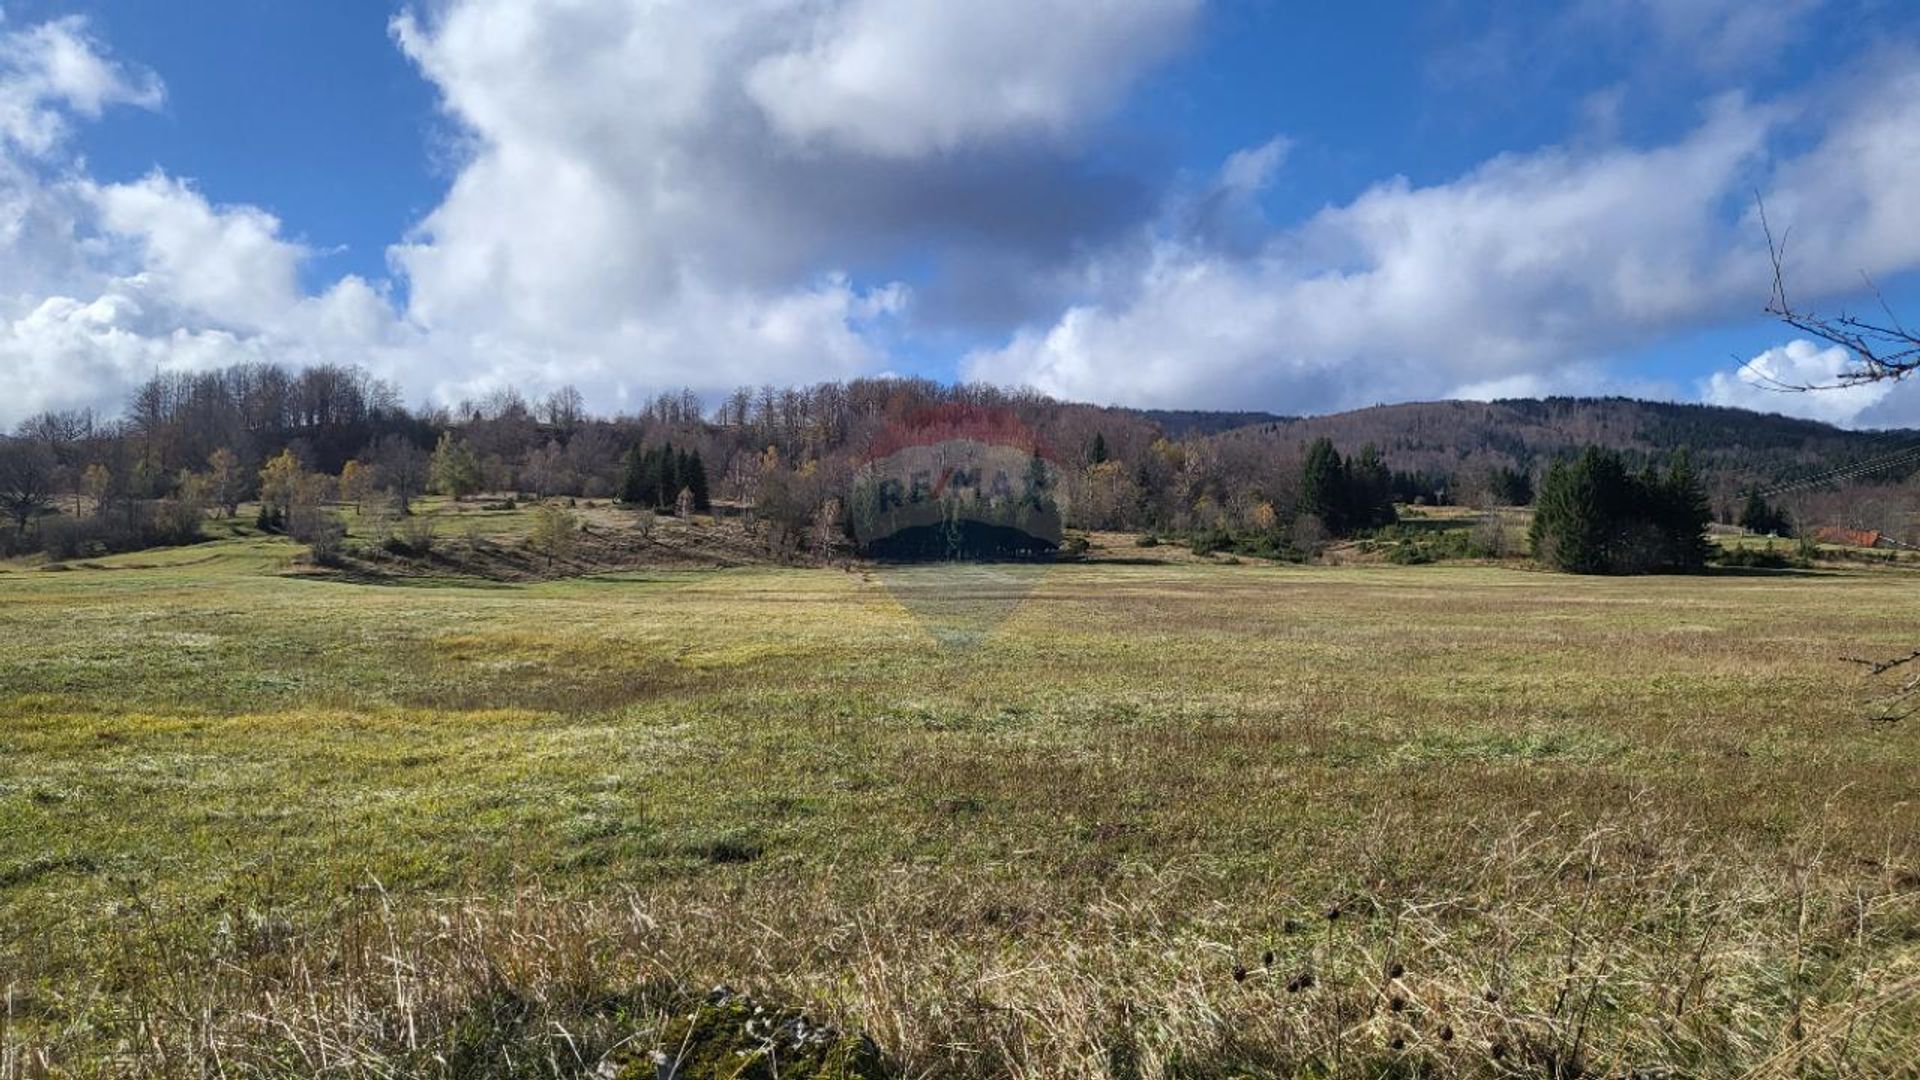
[(1180, 423), (1734, 446)]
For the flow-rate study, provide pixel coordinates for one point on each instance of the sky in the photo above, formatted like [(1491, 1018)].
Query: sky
[(1298, 208)]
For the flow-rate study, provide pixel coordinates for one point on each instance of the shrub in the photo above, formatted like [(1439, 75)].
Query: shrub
[(1410, 554), (377, 522), (1412, 547), (1491, 538), (320, 529), (328, 548), (1208, 541), (174, 522), (1761, 558), (555, 533), (1260, 543), (412, 536), (135, 526)]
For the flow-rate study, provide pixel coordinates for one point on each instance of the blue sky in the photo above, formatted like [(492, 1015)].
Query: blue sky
[(305, 109), (1152, 202)]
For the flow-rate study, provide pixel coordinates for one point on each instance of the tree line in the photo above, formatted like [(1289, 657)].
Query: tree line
[(188, 445)]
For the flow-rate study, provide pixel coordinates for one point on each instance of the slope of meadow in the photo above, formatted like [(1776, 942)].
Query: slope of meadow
[(1081, 820)]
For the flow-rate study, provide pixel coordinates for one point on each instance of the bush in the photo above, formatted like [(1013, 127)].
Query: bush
[(134, 527), (1208, 541), (377, 522), (1761, 558), (1410, 554), (412, 536), (1259, 543), (1491, 538), (66, 537), (175, 522), (418, 532), (1147, 541), (329, 548), (320, 529), (556, 533), (1414, 547)]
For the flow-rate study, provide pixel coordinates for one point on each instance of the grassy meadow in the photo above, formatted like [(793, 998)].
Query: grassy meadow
[(1100, 819)]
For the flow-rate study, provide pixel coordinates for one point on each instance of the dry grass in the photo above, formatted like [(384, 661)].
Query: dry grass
[(1077, 822)]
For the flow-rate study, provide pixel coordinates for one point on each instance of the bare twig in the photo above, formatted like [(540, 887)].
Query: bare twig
[(1881, 350), (1904, 699)]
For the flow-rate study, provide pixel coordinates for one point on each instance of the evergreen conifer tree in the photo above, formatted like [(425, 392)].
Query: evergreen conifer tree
[(1759, 516), (1567, 531), (1323, 486), (696, 481), (1370, 491), (1686, 515), (1594, 517), (637, 487), (667, 478)]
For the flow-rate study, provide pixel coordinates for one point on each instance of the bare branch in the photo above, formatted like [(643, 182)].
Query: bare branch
[(1880, 350), (1903, 699)]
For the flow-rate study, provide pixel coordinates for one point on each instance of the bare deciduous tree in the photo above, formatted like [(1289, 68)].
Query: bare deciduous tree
[(403, 469), (1881, 349), (26, 479)]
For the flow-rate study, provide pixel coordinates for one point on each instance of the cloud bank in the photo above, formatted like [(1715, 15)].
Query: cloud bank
[(1528, 269), (651, 196)]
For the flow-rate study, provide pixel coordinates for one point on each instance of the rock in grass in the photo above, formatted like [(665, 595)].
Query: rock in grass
[(730, 1037)]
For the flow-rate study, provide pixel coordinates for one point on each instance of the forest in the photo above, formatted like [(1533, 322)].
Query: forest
[(187, 444)]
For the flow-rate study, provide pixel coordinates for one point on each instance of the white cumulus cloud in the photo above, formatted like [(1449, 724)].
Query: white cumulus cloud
[(631, 210), (651, 195), (54, 69), (1807, 379), (905, 77), (101, 285), (1526, 268)]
